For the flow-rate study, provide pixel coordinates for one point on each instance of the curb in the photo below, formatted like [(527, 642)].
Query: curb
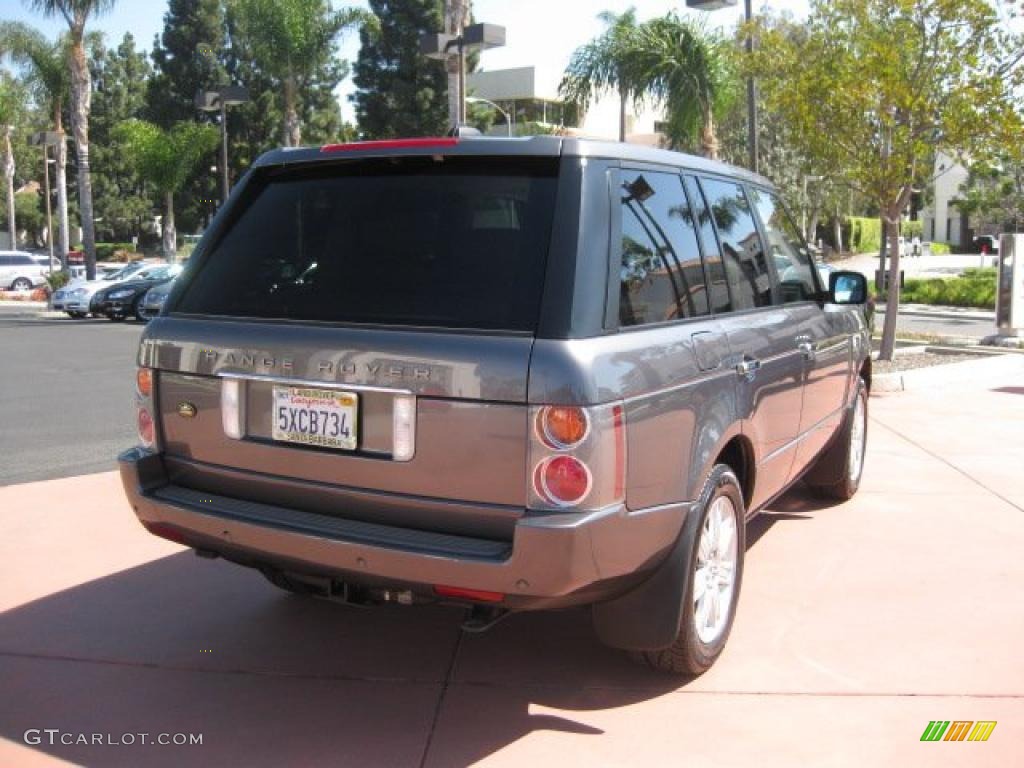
[(951, 373), (942, 313)]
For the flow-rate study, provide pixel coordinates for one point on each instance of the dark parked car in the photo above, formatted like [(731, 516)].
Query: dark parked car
[(154, 299), (514, 374), (123, 299)]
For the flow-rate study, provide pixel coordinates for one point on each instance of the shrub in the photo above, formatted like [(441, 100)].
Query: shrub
[(912, 229), (974, 288), (940, 249), (865, 235), (109, 251), (58, 280)]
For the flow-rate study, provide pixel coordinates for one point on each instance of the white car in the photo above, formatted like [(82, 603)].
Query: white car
[(20, 272), (74, 297)]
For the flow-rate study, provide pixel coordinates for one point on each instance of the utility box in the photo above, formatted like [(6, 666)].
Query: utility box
[(1010, 290)]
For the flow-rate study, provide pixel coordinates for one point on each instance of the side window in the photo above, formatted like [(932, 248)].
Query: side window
[(24, 261), (718, 287), (662, 277), (793, 262), (742, 253), (5, 261)]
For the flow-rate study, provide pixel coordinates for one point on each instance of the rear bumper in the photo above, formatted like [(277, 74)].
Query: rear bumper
[(552, 559)]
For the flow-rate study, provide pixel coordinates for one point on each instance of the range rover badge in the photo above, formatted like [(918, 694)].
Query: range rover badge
[(187, 410)]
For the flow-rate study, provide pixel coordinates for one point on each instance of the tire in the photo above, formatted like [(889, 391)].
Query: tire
[(116, 318), (701, 636), (137, 311), (21, 284), (77, 315), (837, 473)]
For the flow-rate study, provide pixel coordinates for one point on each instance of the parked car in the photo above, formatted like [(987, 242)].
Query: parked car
[(123, 299), (20, 272), (154, 299), (986, 244), (510, 374), (75, 298)]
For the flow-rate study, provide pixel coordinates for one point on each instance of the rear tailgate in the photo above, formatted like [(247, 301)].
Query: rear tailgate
[(417, 283)]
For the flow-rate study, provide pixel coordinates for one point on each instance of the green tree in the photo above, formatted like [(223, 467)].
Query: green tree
[(190, 55), (12, 107), (606, 63), (187, 58), (76, 13), (48, 78), (120, 76), (687, 68), (165, 158), (994, 193), (399, 92), (290, 40), (877, 85)]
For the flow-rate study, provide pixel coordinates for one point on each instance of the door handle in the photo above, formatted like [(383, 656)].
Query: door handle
[(806, 346), (748, 366)]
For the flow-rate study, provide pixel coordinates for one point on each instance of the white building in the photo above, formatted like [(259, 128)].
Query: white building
[(943, 222), (530, 94)]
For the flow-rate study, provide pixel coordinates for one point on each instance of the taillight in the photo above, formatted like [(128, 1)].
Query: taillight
[(440, 142), (577, 457), (147, 430), (144, 382), (563, 426), (145, 422), (564, 480), (463, 593)]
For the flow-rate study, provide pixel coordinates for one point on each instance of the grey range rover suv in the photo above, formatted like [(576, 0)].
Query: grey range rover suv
[(516, 374)]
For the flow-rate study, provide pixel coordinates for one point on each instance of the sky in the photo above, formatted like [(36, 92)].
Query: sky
[(543, 33)]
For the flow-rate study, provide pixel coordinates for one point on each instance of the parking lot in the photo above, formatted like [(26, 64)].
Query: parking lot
[(65, 394), (858, 623)]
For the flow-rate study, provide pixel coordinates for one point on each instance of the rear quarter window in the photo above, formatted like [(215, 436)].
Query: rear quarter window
[(459, 242)]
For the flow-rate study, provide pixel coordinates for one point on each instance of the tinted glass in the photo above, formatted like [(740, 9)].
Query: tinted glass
[(742, 253), (461, 243), (718, 288), (5, 261), (790, 256), (662, 278), (24, 261)]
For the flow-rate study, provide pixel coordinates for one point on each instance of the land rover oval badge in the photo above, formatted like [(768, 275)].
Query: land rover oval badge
[(186, 410)]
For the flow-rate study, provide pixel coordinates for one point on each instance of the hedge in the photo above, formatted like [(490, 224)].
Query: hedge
[(865, 235), (974, 288), (106, 251)]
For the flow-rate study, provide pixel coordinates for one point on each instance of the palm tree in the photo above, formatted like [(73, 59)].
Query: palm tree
[(604, 64), (76, 13), (11, 104), (166, 159), (288, 39), (686, 67), (49, 80)]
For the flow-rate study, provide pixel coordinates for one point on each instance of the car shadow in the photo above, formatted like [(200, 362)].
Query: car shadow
[(182, 645)]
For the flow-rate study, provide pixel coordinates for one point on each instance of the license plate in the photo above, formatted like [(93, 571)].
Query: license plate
[(322, 417)]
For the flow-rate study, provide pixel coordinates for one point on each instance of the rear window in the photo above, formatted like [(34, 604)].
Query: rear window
[(459, 242)]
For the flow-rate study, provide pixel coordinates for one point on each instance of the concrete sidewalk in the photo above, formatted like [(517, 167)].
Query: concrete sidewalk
[(858, 624)]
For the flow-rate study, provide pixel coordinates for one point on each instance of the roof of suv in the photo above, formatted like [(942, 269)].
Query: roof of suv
[(530, 146)]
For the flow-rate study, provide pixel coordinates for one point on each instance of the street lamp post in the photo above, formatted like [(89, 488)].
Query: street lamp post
[(44, 139), (752, 127), (506, 115), (475, 37), (220, 100)]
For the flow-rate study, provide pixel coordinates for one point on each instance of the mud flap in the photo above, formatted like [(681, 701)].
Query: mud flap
[(647, 618)]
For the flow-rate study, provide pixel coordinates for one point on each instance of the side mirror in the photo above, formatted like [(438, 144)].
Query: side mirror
[(847, 288)]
